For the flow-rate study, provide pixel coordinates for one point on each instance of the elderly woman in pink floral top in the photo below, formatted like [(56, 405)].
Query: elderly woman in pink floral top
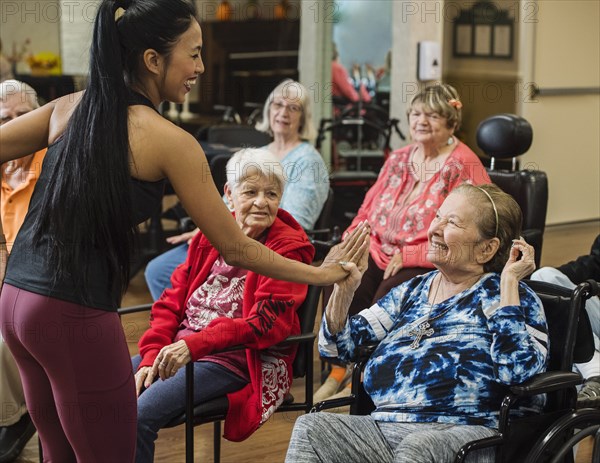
[(399, 207)]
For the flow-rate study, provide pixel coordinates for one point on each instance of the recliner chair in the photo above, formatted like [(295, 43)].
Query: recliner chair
[(506, 136)]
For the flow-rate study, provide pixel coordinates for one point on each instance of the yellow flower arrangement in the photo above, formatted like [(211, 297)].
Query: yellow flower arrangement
[(44, 63)]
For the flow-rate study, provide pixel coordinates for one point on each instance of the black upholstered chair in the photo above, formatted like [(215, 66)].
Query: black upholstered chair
[(218, 170), (324, 235), (238, 136), (506, 136)]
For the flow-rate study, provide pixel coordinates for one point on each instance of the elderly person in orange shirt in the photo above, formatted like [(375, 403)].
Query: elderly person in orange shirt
[(18, 179), (18, 176)]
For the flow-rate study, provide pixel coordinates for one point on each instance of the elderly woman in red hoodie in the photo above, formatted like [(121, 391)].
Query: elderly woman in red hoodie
[(212, 306)]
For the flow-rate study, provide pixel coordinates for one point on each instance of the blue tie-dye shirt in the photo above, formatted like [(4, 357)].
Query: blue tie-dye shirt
[(458, 373)]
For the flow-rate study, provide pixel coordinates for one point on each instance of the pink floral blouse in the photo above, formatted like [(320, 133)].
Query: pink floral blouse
[(399, 224)]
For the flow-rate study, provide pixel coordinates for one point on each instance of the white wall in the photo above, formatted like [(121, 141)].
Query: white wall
[(561, 50), (412, 22), (314, 60), (76, 26)]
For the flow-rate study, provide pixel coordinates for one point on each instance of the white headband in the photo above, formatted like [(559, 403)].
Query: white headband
[(494, 206)]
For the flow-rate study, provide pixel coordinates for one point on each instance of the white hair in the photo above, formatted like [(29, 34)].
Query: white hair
[(246, 162), (12, 87), (298, 93)]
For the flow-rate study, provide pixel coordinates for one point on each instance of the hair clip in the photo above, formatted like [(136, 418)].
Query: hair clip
[(455, 103)]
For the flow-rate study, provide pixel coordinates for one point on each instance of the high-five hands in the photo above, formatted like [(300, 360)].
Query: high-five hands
[(354, 249)]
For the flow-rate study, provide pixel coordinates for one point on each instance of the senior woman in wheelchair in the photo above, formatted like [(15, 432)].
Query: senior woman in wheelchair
[(451, 342), (212, 306)]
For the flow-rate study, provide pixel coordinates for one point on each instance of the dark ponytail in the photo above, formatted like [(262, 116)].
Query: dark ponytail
[(88, 208)]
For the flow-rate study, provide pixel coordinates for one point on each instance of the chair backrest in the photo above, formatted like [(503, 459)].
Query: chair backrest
[(307, 314), (557, 308), (508, 136), (569, 329), (218, 170), (504, 136), (237, 135), (324, 219), (529, 188)]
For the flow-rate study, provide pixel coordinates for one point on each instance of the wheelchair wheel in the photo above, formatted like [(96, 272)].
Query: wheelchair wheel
[(557, 444)]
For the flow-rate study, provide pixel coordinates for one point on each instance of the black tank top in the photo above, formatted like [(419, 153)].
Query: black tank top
[(28, 266)]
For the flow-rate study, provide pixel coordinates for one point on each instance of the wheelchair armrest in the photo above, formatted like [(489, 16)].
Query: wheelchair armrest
[(332, 235), (363, 354), (298, 339), (486, 442), (186, 224), (366, 350), (318, 231), (134, 309), (333, 403), (547, 382)]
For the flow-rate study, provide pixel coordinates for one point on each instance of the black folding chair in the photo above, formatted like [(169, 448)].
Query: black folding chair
[(215, 410)]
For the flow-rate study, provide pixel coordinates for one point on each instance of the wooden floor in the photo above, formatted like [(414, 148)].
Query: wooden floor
[(269, 443)]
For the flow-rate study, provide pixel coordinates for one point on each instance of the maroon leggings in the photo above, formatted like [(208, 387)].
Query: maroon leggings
[(76, 374)]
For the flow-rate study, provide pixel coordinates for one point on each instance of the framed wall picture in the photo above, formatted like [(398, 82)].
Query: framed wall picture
[(483, 31)]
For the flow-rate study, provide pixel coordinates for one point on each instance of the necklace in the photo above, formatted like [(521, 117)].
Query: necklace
[(424, 328)]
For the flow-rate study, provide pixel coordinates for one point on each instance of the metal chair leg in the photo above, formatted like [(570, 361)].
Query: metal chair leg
[(189, 413), (217, 441)]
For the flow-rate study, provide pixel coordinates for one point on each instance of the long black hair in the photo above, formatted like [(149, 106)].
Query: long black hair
[(88, 207)]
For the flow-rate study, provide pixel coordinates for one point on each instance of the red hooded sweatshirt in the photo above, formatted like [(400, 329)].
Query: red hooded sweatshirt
[(269, 316)]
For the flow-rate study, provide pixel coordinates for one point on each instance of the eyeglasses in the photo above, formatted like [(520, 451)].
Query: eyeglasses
[(292, 108)]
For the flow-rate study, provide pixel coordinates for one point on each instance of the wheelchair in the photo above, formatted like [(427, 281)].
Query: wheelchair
[(551, 435), (361, 135)]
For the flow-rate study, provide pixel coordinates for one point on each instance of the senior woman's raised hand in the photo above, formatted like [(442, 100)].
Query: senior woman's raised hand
[(343, 291), (521, 261), (519, 265)]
